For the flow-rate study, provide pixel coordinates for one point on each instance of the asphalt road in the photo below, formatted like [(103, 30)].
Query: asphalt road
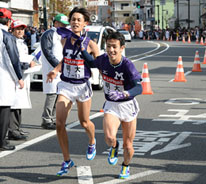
[(170, 141)]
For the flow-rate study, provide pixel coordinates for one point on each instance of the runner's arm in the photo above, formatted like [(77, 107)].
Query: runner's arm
[(88, 58)]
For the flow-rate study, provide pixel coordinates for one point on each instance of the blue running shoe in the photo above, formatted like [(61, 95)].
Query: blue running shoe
[(65, 167), (113, 155), (91, 152), (124, 172)]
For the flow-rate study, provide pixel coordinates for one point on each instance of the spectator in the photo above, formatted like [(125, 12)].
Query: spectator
[(34, 39), (52, 54), (11, 75), (22, 100)]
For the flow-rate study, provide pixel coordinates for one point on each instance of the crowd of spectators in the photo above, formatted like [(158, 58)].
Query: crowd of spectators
[(31, 36), (195, 34)]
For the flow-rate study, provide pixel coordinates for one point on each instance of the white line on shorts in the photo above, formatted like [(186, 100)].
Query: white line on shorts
[(45, 136)]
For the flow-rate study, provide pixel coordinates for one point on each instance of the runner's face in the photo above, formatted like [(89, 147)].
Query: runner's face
[(114, 51), (19, 32), (77, 23)]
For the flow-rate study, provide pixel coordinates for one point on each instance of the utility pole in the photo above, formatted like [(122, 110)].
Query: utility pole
[(158, 15), (199, 13), (178, 18), (188, 13), (162, 18), (152, 21), (45, 14)]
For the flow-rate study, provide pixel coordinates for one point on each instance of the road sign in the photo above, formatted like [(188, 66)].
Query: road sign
[(98, 3)]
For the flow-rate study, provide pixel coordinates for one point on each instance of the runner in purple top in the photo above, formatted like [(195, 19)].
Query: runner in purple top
[(122, 82), (74, 85)]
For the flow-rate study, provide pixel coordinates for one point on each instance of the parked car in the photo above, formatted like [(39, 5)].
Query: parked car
[(97, 34), (126, 34)]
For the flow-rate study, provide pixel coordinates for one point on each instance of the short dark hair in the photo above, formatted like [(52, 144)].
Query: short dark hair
[(5, 20), (83, 11), (116, 36)]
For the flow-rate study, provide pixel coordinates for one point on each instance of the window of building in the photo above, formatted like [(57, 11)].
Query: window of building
[(123, 5), (126, 14)]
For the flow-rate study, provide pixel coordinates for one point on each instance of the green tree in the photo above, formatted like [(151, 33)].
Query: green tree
[(59, 6), (130, 20)]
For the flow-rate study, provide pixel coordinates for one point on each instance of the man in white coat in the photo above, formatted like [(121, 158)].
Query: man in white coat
[(52, 54), (10, 75), (22, 100)]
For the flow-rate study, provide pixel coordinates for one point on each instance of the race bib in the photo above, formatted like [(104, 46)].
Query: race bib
[(74, 68), (111, 84)]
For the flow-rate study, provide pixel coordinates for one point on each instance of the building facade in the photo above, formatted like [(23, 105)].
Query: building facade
[(190, 13), (20, 9), (120, 10)]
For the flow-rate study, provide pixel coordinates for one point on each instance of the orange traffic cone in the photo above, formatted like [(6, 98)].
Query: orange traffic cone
[(101, 110), (197, 40), (171, 38), (183, 39), (204, 61), (177, 39), (189, 40), (144, 38), (146, 86), (196, 66), (179, 76), (163, 38), (201, 41)]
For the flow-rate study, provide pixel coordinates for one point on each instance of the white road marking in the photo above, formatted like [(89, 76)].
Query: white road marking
[(174, 144), (184, 101), (158, 46), (84, 175), (43, 137), (132, 177), (167, 47), (183, 117)]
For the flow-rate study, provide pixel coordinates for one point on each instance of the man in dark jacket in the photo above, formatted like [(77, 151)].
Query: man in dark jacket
[(10, 75)]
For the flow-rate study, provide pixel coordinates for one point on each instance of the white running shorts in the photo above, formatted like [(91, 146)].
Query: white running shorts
[(125, 111), (79, 92)]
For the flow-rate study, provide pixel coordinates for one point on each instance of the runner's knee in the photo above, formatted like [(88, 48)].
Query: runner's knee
[(60, 124), (128, 145), (110, 140), (85, 124)]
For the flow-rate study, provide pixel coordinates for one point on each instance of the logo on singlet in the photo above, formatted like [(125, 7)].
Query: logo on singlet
[(118, 76)]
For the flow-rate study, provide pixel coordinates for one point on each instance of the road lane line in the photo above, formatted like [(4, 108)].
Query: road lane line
[(84, 175), (45, 136), (132, 177), (158, 46), (167, 47)]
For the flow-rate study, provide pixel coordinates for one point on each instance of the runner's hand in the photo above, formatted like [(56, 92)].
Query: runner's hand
[(118, 95), (51, 76), (84, 38)]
